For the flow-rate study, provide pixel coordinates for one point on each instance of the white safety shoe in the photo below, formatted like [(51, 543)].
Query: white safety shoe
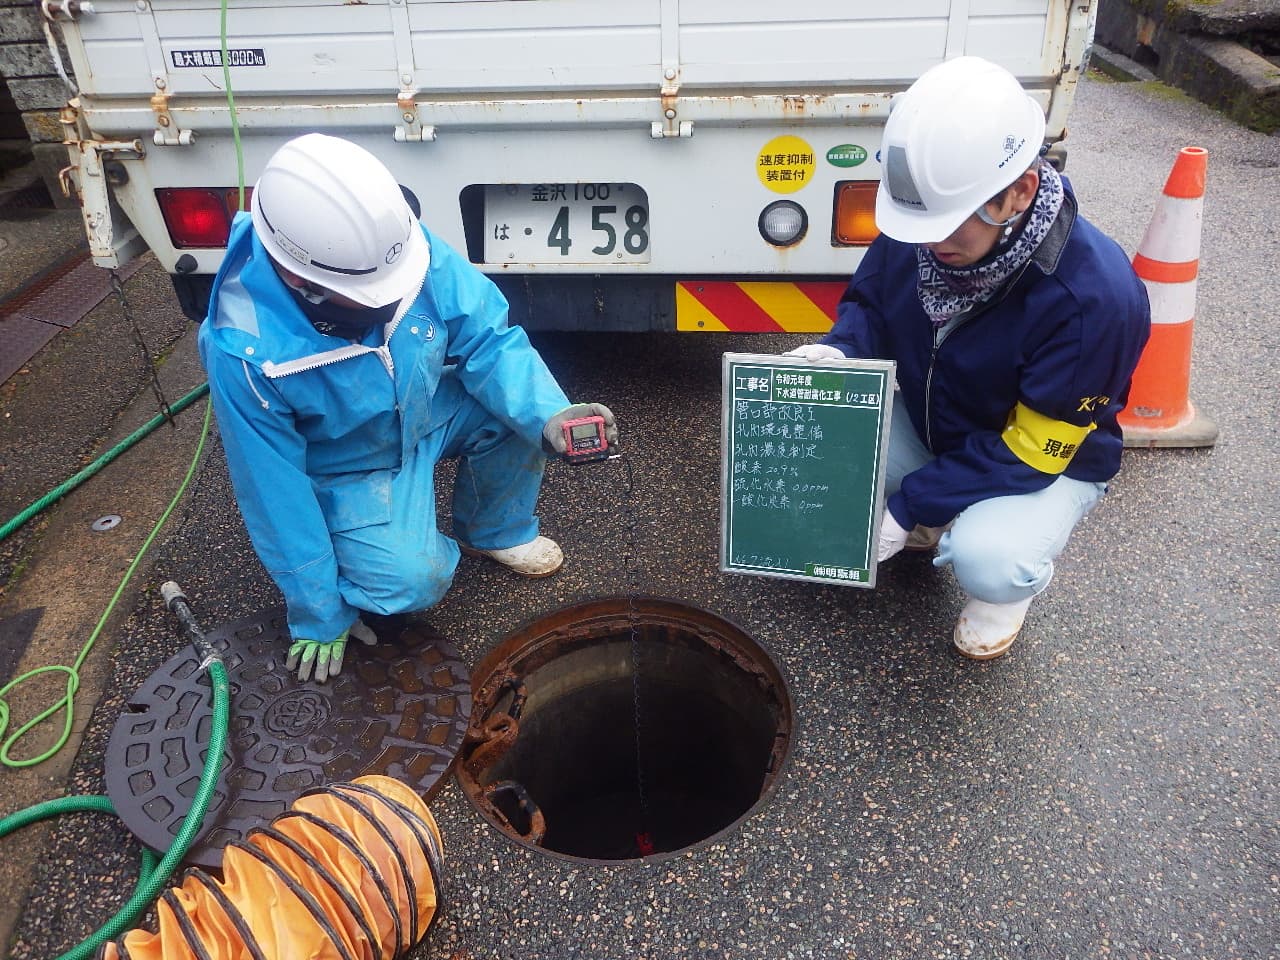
[(540, 557), (986, 630)]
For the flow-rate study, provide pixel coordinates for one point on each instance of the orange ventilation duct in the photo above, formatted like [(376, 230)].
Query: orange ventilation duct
[(349, 872)]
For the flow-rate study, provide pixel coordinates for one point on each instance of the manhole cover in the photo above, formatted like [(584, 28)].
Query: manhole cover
[(624, 728), (400, 708)]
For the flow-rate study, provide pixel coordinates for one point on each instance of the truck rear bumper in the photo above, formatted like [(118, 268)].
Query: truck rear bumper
[(669, 303), (638, 304)]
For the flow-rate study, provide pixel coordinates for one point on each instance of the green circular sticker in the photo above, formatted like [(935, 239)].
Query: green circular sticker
[(846, 155)]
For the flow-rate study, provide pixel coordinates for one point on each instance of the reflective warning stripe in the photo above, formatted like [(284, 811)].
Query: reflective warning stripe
[(1171, 302), (1041, 442), (1165, 271), (757, 306), (1173, 235)]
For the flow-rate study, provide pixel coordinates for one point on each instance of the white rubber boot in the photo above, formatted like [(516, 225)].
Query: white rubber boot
[(986, 630), (540, 557)]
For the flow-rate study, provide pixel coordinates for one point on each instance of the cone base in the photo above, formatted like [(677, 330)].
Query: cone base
[(1194, 430)]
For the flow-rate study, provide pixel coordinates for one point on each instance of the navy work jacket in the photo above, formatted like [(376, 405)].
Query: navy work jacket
[(1016, 391)]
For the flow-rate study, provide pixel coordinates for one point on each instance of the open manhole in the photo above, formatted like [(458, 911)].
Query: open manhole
[(624, 727)]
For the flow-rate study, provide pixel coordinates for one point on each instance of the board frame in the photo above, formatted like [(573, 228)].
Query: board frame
[(881, 370)]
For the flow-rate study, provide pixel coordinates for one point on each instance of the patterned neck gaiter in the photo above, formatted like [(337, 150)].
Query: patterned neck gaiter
[(947, 291)]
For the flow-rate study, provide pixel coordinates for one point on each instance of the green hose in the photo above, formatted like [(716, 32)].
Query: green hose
[(153, 876), (74, 481), (73, 672)]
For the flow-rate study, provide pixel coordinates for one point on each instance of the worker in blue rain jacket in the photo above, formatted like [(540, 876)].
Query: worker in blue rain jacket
[(348, 351), (1015, 325)]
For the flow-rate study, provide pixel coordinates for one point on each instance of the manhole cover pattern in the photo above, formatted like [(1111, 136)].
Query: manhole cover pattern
[(399, 708)]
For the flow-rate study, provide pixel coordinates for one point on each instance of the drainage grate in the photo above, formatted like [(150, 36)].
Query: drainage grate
[(67, 292), (16, 633), (21, 338), (572, 751), (399, 709), (33, 196), (58, 298)]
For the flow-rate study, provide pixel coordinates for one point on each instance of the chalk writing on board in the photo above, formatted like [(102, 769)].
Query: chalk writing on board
[(803, 466)]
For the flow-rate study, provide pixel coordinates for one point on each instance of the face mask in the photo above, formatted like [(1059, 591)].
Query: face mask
[(309, 292), (349, 323)]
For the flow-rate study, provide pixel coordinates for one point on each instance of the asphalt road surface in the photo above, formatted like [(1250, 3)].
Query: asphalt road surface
[(1108, 789)]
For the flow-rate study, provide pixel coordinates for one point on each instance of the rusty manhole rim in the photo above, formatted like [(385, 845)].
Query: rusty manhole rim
[(611, 616)]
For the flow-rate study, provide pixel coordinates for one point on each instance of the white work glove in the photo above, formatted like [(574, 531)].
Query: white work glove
[(892, 537), (325, 656), (553, 432), (816, 351)]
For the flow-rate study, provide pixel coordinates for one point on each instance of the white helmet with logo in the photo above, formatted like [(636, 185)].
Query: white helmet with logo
[(959, 135), (330, 212)]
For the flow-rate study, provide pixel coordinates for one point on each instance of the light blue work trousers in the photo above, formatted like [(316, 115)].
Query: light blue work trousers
[(407, 563), (1001, 550)]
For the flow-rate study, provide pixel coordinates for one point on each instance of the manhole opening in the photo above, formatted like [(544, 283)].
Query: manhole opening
[(574, 752)]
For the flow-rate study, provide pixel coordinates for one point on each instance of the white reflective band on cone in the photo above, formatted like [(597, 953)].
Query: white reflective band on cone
[(1172, 302), (1174, 233)]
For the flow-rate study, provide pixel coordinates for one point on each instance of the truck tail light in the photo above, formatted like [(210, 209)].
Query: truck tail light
[(855, 217), (233, 200), (197, 216)]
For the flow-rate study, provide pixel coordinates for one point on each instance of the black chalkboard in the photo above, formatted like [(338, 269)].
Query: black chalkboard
[(802, 466)]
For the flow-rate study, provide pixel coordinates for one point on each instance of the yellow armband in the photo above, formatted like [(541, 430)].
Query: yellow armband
[(1042, 443)]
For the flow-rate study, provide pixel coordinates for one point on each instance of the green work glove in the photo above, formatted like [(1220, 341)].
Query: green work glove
[(325, 657), (553, 432)]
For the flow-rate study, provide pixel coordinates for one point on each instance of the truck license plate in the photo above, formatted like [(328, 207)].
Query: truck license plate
[(566, 223)]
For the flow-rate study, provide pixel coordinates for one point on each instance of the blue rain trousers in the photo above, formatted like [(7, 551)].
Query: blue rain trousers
[(406, 563)]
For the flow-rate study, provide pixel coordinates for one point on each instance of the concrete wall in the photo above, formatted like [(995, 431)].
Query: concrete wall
[(37, 91), (1203, 48)]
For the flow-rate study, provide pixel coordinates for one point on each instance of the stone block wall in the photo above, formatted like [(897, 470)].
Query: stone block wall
[(1208, 48), (37, 91)]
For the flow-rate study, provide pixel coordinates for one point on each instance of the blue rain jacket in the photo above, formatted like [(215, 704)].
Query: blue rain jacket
[(1018, 390), (315, 426)]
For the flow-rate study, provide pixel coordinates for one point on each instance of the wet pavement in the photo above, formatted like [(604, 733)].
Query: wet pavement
[(1108, 789)]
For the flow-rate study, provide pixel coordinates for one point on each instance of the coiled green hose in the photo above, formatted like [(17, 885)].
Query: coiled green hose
[(67, 703), (153, 876)]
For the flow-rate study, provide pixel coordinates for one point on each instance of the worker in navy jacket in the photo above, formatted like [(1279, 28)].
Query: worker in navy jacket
[(1015, 326)]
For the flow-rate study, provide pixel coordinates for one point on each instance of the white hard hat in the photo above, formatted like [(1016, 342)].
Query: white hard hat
[(959, 135), (329, 211)]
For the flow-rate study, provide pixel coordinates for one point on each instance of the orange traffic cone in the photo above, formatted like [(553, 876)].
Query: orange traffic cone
[(1160, 412)]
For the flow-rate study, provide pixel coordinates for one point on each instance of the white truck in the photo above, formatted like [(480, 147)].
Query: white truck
[(644, 165)]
